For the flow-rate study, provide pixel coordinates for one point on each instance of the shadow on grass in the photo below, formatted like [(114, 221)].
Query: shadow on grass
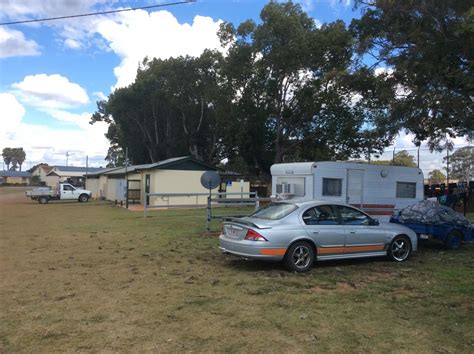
[(425, 248), (258, 266)]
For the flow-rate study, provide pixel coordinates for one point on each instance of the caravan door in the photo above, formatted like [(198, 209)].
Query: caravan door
[(354, 190)]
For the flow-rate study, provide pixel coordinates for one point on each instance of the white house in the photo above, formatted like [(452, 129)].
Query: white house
[(175, 175)]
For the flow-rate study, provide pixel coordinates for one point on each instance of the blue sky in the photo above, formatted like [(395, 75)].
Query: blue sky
[(52, 73)]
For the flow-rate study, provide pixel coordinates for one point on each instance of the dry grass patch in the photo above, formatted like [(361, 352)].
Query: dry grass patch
[(92, 277)]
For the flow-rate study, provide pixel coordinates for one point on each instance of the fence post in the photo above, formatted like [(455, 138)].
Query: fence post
[(257, 202), (144, 208), (208, 224)]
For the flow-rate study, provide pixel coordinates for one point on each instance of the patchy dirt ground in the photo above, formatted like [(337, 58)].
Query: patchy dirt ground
[(13, 195), (91, 277)]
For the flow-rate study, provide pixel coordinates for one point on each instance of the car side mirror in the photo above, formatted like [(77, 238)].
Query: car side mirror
[(374, 222)]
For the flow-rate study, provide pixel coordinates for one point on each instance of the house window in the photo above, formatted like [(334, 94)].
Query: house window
[(406, 190), (332, 187)]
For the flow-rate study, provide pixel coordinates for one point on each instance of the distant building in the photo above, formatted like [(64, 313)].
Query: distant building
[(73, 174), (15, 177), (42, 171)]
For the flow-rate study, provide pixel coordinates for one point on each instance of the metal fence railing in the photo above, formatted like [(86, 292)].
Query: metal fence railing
[(203, 200)]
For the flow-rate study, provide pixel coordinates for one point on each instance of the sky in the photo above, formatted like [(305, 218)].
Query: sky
[(52, 73)]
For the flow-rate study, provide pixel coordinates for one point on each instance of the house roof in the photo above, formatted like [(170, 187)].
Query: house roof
[(14, 174), (102, 171), (77, 169), (185, 163), (73, 171), (46, 168)]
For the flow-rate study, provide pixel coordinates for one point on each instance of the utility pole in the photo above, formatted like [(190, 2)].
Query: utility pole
[(393, 157), (447, 168), (418, 158), (126, 177), (370, 151), (67, 157), (87, 170)]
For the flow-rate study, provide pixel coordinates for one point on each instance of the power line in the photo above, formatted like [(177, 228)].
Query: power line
[(96, 13)]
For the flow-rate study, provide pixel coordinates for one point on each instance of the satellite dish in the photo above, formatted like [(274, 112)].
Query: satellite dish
[(210, 179)]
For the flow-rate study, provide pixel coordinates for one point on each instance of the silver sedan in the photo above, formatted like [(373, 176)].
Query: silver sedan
[(300, 233)]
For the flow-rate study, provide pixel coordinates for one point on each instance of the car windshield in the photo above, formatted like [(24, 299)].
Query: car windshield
[(274, 211)]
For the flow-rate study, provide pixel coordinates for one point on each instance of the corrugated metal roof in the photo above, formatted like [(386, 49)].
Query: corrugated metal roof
[(102, 171), (77, 169), (73, 171), (15, 174), (157, 165), (132, 168)]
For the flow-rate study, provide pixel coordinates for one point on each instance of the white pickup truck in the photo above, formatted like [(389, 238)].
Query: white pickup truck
[(65, 191)]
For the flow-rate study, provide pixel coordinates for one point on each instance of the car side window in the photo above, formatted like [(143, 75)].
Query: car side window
[(351, 216), (67, 188), (320, 215)]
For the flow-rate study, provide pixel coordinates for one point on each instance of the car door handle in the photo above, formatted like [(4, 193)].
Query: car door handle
[(352, 232), (316, 232)]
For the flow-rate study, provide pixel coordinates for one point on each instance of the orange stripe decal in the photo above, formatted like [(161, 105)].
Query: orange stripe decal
[(350, 249), (273, 251), (328, 250)]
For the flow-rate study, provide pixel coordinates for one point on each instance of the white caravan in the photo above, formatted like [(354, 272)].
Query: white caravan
[(379, 190)]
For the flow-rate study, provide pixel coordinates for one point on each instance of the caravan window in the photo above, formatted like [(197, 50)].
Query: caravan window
[(332, 187), (406, 190)]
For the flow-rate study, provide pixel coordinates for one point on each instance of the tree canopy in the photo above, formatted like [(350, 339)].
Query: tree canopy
[(461, 164), (170, 110), (436, 177), (296, 90), (286, 90), (290, 90), (427, 49), (13, 156), (401, 158)]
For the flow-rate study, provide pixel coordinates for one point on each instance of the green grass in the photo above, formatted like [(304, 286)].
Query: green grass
[(93, 277)]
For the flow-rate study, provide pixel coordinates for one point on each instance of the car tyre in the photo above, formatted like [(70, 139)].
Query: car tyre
[(299, 257), (399, 249), (43, 200), (83, 198), (453, 241)]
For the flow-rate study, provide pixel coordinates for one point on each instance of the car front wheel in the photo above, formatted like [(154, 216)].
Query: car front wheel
[(83, 198), (299, 257), (399, 249)]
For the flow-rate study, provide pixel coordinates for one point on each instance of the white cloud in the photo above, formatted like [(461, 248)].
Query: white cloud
[(72, 43), (131, 35), (48, 143), (429, 161), (12, 114), (50, 91), (317, 23), (14, 44), (74, 33), (338, 3), (100, 95), (306, 5), (22, 10), (136, 34), (82, 142)]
